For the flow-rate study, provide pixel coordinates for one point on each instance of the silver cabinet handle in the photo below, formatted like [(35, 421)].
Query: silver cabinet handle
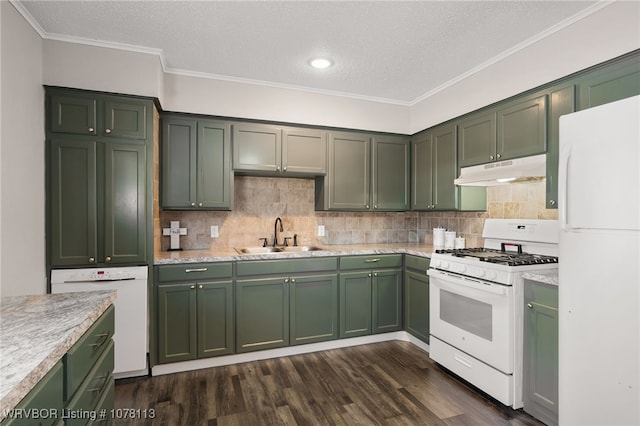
[(196, 270), (193, 204), (284, 169), (107, 259), (107, 131), (293, 280), (199, 204), (375, 274), (286, 280), (200, 286), (491, 157), (193, 287), (529, 305), (277, 168), (91, 129), (369, 274), (367, 206), (552, 202), (372, 260), (92, 260), (375, 206)]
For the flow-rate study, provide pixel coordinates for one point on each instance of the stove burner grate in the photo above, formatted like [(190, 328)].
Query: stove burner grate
[(500, 256)]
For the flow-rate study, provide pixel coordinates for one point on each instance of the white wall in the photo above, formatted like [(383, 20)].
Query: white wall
[(603, 35), (22, 231)]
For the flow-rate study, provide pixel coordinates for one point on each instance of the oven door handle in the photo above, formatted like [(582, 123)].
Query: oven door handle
[(454, 282)]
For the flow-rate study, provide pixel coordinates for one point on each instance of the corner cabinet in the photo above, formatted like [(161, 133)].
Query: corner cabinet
[(365, 173), (98, 178), (515, 129), (196, 164), (540, 376), (195, 311), (416, 297), (370, 295), (272, 150)]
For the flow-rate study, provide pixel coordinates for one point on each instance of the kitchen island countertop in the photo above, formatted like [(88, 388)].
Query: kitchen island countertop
[(35, 333), (229, 254)]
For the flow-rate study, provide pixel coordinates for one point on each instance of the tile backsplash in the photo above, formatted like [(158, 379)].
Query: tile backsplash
[(260, 200)]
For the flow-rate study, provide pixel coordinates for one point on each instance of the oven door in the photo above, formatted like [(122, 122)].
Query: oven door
[(473, 316)]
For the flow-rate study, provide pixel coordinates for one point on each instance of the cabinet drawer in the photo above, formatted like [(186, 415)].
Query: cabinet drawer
[(416, 262), (98, 383), (194, 271), (84, 354), (371, 262), (297, 266)]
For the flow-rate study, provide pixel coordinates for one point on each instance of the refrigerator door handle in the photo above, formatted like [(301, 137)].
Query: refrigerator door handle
[(563, 188)]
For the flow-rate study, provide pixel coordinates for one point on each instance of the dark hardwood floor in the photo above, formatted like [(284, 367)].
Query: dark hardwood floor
[(389, 383)]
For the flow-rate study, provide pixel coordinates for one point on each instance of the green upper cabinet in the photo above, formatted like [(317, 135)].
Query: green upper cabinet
[(100, 115), (273, 150), (434, 169), (515, 129), (196, 164), (612, 82), (390, 173), (365, 173), (98, 150), (561, 102)]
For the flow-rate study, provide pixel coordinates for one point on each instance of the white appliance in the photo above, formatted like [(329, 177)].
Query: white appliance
[(476, 303), (599, 297), (526, 169), (131, 329)]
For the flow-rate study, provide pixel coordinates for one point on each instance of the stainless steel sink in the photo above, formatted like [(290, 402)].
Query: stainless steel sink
[(258, 250), (300, 248), (265, 250)]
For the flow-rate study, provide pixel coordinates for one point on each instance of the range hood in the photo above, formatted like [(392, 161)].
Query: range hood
[(527, 169)]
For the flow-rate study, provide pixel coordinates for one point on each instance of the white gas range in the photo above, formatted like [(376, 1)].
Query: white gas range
[(476, 303)]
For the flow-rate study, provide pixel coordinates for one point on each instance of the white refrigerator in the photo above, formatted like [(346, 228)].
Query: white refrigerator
[(599, 265)]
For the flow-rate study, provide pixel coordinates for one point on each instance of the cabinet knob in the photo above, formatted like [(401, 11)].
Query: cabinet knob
[(375, 206), (367, 206), (491, 157), (499, 156), (193, 204), (107, 131), (200, 286), (277, 168), (107, 259), (293, 280), (193, 287), (552, 202), (286, 280), (529, 305), (375, 274), (91, 129), (369, 274), (199, 204), (92, 260), (284, 169)]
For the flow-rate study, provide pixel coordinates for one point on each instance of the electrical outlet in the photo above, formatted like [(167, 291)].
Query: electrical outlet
[(214, 232), (320, 230)]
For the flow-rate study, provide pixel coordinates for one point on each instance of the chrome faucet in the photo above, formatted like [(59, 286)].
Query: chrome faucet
[(275, 231)]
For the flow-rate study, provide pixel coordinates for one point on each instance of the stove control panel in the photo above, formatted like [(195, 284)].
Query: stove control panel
[(484, 272)]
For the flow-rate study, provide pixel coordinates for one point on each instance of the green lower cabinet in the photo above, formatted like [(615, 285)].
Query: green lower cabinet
[(314, 309), (262, 314), (540, 365), (416, 299), (370, 302), (195, 320)]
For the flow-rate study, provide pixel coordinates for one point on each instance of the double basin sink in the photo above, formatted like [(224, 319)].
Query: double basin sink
[(286, 249)]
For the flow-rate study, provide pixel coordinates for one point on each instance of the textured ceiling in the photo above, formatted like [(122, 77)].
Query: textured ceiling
[(393, 51)]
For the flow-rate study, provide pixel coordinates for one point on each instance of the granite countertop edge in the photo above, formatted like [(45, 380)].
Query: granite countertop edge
[(546, 277), (52, 323), (231, 255)]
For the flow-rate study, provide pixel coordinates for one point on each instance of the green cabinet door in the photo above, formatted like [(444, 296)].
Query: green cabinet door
[(76, 114), (444, 168), (179, 157), (215, 318), (125, 225), (522, 128), (262, 314), (257, 148), (540, 378), (177, 328), (416, 304), (390, 173), (347, 183), (74, 225), (477, 139), (561, 102), (356, 297), (215, 178), (387, 300), (421, 172), (314, 308), (610, 83), (125, 118), (304, 151)]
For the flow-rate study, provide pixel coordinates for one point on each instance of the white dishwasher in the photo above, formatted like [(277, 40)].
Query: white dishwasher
[(131, 330)]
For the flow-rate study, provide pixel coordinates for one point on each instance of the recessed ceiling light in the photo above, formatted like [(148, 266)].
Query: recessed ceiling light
[(320, 63)]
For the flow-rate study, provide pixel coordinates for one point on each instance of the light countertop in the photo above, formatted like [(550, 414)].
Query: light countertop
[(547, 277), (230, 254), (35, 333)]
